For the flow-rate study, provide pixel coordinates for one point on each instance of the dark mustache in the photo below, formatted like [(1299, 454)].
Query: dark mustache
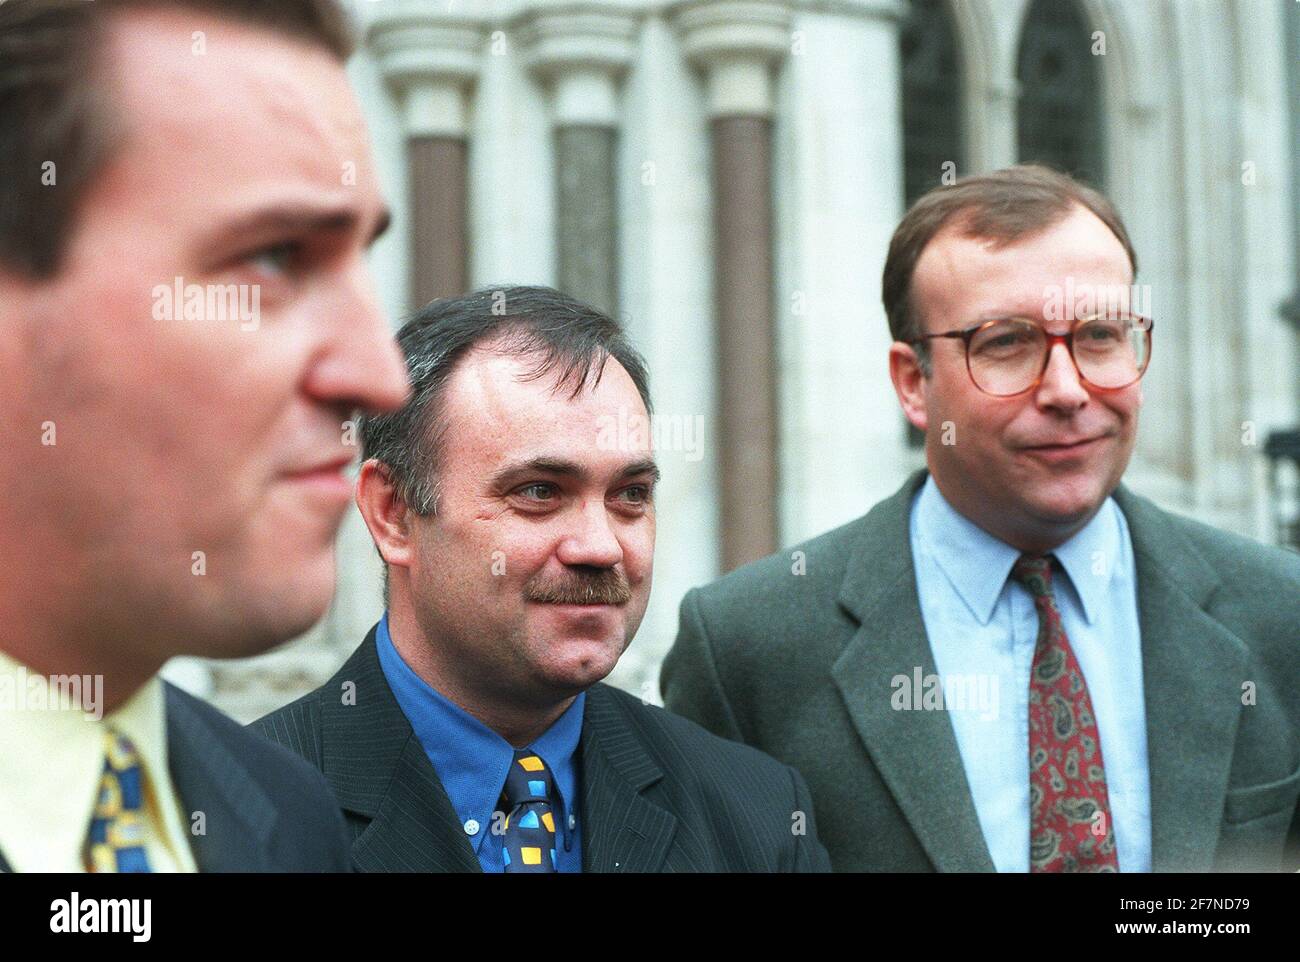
[(595, 586)]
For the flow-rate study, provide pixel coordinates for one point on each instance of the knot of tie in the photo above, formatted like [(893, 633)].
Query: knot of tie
[(116, 841), (529, 842), (1034, 571), (529, 780)]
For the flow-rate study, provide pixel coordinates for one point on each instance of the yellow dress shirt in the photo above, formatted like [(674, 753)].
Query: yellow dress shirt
[(51, 761)]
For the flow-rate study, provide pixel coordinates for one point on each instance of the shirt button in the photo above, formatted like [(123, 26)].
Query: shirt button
[(471, 827), (573, 822)]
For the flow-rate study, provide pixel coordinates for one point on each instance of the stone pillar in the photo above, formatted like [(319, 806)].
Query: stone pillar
[(997, 141), (430, 59), (1268, 259), (736, 43), (666, 299), (581, 52), (839, 198)]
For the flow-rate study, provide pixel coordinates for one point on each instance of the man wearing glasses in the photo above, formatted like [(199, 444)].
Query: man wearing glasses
[(1015, 663)]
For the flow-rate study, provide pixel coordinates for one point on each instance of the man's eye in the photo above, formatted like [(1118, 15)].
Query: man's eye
[(1103, 332), (1003, 342), (276, 259), (636, 494), (538, 491)]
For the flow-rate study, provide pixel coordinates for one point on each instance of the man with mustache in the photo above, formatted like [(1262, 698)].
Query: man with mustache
[(173, 474), (470, 730), (1146, 666)]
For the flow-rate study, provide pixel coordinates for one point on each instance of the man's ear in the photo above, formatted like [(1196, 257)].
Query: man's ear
[(385, 513), (909, 383)]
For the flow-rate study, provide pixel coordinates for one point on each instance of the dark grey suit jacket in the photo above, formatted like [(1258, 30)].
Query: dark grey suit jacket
[(800, 667), (264, 809), (659, 794)]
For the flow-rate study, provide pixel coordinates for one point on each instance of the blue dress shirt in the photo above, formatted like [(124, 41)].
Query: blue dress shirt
[(983, 629), (471, 760)]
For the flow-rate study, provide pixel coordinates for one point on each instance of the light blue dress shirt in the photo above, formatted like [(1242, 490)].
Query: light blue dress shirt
[(983, 628), (471, 760)]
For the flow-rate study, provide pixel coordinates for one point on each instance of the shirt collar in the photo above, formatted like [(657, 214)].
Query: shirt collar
[(977, 564), (1093, 558), (470, 759), (974, 562), (51, 762)]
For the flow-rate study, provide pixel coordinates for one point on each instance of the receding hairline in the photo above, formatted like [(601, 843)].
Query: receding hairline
[(961, 225), (964, 221), (112, 64), (109, 64), (442, 417), (337, 38), (67, 108), (504, 345), (130, 92)]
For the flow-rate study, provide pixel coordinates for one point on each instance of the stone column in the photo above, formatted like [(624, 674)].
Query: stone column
[(430, 59), (581, 52), (839, 197), (736, 44)]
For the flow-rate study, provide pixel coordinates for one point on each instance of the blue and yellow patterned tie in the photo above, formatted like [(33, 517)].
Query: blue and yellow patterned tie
[(116, 842), (529, 842)]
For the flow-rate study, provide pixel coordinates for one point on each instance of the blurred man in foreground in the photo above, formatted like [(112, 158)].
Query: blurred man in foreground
[(187, 322)]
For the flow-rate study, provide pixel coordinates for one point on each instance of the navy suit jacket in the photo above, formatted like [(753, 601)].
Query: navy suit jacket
[(659, 793), (264, 809)]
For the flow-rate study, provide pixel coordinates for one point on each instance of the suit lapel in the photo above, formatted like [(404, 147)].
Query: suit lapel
[(378, 770), (237, 816), (915, 751), (622, 830), (1192, 669)]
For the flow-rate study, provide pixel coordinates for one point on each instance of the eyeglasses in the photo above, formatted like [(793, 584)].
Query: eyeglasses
[(1008, 356)]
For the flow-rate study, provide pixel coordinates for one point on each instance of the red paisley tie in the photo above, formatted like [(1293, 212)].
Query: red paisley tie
[(1069, 811)]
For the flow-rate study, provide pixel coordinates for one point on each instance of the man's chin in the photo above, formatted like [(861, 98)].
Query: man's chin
[(254, 625), (1068, 504), (578, 664), (252, 638)]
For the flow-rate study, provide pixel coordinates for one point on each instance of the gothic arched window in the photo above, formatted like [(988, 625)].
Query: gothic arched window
[(932, 115), (932, 121), (1060, 103)]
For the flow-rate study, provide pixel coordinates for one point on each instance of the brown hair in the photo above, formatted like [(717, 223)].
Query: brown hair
[(54, 111), (1002, 207)]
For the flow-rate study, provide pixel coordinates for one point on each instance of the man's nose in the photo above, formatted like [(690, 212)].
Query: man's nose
[(364, 367), (1061, 387), (591, 541)]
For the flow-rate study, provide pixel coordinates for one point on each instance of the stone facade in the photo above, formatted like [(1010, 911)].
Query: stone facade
[(1195, 97)]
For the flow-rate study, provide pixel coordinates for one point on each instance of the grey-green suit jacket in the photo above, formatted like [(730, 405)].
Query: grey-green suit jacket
[(799, 665)]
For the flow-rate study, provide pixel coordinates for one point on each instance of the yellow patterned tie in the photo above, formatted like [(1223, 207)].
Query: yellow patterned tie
[(116, 841)]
